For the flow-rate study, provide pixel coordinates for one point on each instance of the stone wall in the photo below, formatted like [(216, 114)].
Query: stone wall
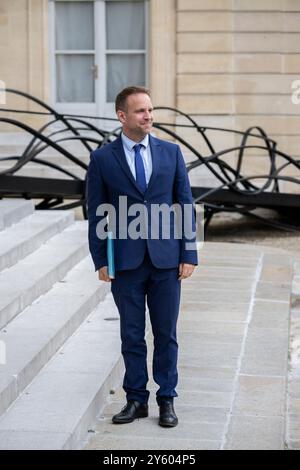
[(24, 53), (236, 61)]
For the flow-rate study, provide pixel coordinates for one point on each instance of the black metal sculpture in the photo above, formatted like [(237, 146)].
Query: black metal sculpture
[(234, 192)]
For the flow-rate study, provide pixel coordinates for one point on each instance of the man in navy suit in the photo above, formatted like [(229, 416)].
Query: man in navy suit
[(145, 172)]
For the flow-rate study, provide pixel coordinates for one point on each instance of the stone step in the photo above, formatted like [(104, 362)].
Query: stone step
[(34, 336), (34, 275), (59, 407), (13, 210), (30, 233)]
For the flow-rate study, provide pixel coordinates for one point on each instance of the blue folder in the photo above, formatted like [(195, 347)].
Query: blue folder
[(110, 256)]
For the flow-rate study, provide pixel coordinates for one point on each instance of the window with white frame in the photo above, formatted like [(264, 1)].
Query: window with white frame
[(125, 45), (74, 52), (98, 47)]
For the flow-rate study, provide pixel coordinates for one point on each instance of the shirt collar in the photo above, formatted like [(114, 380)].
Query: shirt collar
[(129, 144)]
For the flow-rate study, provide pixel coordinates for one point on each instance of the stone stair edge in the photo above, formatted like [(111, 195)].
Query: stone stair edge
[(46, 275), (49, 225), (13, 210)]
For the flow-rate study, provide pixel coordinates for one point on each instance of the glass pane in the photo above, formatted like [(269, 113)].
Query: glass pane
[(74, 25), (125, 25), (124, 70), (75, 78)]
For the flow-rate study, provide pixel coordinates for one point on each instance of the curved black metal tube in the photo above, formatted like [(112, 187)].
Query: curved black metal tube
[(222, 186), (24, 159), (228, 175), (49, 108)]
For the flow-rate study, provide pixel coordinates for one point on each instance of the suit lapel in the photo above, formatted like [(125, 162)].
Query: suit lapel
[(156, 156)]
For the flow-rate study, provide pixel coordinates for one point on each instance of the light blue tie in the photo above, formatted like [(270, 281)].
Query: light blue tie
[(139, 168)]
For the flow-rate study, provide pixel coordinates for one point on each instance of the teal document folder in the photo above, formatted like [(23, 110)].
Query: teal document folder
[(110, 256)]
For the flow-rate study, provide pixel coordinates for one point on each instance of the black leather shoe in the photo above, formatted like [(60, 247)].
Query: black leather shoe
[(131, 411), (167, 415)]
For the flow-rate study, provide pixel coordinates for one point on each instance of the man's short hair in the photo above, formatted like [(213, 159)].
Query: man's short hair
[(121, 98)]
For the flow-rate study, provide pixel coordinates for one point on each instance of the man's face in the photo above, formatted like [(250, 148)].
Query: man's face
[(137, 119)]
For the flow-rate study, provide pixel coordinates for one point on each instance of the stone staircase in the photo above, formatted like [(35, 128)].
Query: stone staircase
[(60, 362), (59, 330)]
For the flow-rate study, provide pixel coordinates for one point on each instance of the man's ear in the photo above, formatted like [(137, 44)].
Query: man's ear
[(121, 116)]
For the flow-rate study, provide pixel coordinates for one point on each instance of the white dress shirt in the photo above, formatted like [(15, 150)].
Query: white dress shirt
[(145, 151)]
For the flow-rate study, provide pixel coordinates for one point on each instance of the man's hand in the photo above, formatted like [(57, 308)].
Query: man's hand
[(103, 274), (185, 270)]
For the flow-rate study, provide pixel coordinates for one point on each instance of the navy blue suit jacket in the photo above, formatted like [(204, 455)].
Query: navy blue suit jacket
[(109, 177)]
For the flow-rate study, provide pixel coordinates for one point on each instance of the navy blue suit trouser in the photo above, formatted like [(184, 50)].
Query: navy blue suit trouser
[(161, 289)]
